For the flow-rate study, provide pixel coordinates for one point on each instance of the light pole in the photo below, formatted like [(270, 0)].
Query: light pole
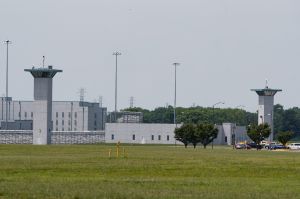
[(116, 82), (175, 66), (7, 42), (213, 108)]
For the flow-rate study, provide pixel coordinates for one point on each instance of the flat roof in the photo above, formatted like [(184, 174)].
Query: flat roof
[(48, 72), (266, 91)]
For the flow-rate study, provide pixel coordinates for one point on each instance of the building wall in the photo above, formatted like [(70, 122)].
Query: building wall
[(230, 134), (140, 133), (265, 112), (66, 115), (144, 133)]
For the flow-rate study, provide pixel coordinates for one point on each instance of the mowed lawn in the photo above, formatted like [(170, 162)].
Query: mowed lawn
[(85, 171)]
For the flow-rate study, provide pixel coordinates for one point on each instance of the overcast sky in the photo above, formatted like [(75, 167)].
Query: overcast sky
[(225, 47)]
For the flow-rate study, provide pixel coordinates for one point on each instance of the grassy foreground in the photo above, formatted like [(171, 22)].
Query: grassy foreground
[(85, 171)]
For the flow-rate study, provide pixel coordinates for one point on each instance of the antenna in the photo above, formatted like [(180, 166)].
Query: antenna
[(100, 101), (131, 102), (81, 94), (43, 61), (267, 83)]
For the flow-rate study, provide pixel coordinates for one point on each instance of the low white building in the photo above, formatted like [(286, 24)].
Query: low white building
[(139, 133), (145, 133)]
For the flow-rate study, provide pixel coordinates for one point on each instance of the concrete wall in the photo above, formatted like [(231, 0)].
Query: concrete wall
[(140, 133), (144, 133), (230, 134), (16, 137), (265, 112), (26, 137)]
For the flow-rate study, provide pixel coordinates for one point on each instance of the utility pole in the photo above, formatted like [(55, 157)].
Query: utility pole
[(100, 101), (116, 82), (43, 61), (7, 42), (131, 101), (175, 92)]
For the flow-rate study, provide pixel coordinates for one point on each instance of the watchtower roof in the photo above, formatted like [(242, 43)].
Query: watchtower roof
[(266, 91), (43, 72)]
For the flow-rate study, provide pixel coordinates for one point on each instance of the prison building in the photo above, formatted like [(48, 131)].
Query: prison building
[(66, 115)]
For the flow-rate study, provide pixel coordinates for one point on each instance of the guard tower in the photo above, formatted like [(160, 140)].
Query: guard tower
[(265, 106), (42, 105)]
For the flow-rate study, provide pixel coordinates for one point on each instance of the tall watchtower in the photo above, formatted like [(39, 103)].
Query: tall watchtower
[(42, 105), (265, 107)]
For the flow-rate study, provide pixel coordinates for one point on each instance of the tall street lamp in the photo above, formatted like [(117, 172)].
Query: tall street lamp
[(7, 42), (213, 109), (116, 82), (175, 66)]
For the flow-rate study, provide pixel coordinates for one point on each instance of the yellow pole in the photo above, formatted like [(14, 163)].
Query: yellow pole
[(109, 153), (118, 147)]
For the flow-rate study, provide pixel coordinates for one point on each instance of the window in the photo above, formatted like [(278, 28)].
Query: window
[(25, 114), (62, 122), (75, 114), (56, 122), (152, 137), (56, 129), (69, 129), (159, 137), (95, 123), (56, 114), (31, 114), (225, 138), (133, 137), (69, 115), (19, 114), (75, 122), (168, 137), (75, 129), (63, 129), (69, 122), (62, 114), (95, 115), (112, 136)]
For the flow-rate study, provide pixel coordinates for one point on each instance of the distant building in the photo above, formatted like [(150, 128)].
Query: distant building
[(143, 133), (66, 115)]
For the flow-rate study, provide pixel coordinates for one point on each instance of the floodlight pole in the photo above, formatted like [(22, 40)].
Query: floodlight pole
[(175, 92), (213, 109), (116, 82), (7, 42)]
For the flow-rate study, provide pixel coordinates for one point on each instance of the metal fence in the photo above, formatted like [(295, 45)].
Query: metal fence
[(77, 137), (57, 137), (16, 137)]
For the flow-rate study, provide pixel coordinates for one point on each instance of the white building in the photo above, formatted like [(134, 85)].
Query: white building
[(66, 115), (139, 133), (143, 133)]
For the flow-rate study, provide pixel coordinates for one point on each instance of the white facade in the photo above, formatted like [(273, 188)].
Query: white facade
[(230, 134), (140, 133), (144, 133), (266, 106), (66, 115)]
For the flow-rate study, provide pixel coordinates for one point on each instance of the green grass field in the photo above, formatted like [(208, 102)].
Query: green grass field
[(85, 171)]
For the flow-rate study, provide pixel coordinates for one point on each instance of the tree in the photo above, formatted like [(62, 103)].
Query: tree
[(258, 133), (284, 137), (206, 133), (184, 133)]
